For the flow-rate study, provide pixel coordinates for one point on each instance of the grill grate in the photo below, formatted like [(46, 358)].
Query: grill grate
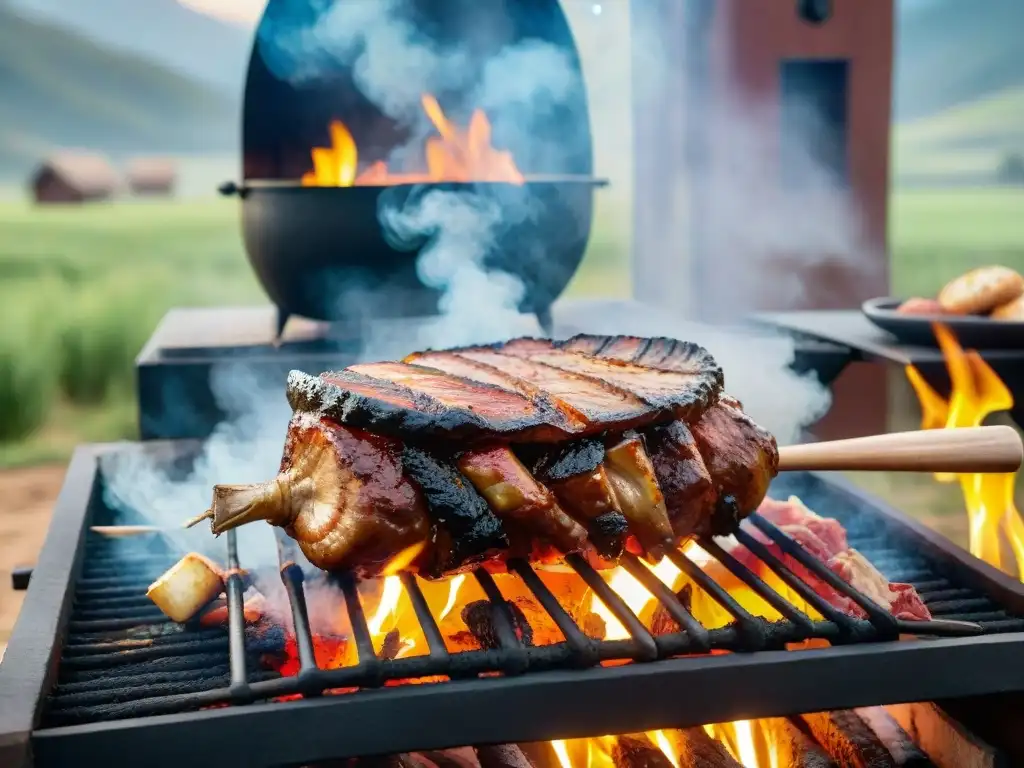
[(123, 658)]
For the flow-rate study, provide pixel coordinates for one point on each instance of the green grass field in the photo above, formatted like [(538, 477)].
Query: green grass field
[(81, 289), (965, 141)]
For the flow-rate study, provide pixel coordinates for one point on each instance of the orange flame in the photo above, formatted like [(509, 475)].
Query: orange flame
[(752, 743), (454, 155), (976, 393)]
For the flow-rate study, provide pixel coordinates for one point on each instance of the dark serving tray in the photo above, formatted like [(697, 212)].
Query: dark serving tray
[(974, 332)]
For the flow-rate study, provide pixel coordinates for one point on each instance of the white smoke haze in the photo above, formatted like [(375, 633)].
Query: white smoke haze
[(756, 365), (244, 448), (392, 63), (751, 221)]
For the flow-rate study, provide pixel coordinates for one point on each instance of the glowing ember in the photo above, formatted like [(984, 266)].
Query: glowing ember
[(454, 155), (976, 392)]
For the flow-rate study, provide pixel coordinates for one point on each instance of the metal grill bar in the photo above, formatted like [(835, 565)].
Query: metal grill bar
[(643, 647), (438, 652), (791, 613), (695, 632), (750, 627), (582, 647), (158, 663), (236, 622), (173, 670), (844, 623), (882, 620)]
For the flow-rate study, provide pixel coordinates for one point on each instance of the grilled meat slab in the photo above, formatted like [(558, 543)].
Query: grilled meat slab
[(525, 391), (529, 448)]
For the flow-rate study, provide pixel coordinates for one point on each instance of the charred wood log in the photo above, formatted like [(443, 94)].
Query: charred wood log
[(793, 748), (899, 743), (461, 757), (852, 743), (502, 756), (947, 742), (694, 748), (661, 622), (638, 752), (479, 618), (391, 646)]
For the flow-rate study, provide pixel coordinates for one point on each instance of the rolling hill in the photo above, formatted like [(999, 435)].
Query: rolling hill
[(162, 31), (58, 88), (951, 52), (958, 90)]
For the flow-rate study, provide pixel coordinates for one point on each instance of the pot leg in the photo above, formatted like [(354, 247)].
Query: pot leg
[(282, 321)]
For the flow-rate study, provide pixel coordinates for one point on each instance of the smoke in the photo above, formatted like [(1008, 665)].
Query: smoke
[(244, 448), (749, 223), (764, 196), (392, 62), (757, 365)]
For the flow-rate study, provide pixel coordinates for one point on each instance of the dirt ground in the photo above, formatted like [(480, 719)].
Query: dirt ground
[(26, 498)]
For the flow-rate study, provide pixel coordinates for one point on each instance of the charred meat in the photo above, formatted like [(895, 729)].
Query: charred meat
[(532, 448)]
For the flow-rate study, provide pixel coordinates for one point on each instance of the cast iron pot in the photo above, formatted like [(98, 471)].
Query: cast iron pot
[(323, 253)]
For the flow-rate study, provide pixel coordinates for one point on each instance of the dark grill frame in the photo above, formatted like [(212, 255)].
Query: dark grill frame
[(562, 695)]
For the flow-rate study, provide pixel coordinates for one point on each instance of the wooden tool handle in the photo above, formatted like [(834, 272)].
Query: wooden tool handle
[(959, 451)]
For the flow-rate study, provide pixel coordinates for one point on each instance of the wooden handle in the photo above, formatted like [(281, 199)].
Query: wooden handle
[(959, 451)]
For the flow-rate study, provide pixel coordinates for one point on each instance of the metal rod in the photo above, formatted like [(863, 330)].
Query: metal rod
[(236, 619), (758, 586), (696, 632), (431, 632), (880, 617), (645, 649), (791, 580), (365, 652), (504, 628), (721, 596), (292, 577), (582, 646)]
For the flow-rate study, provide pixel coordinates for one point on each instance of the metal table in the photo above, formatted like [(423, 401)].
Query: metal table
[(862, 341)]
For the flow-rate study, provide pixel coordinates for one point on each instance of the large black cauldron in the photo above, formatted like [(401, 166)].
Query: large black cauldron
[(322, 252)]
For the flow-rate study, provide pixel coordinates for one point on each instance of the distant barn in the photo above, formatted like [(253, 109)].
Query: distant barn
[(74, 177), (152, 176)]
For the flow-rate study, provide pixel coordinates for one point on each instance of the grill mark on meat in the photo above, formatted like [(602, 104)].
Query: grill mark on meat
[(626, 348), (678, 392), (479, 394), (586, 343), (599, 405), (382, 406), (660, 353), (490, 402), (477, 371)]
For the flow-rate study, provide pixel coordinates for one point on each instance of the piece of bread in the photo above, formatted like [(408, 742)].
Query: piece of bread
[(187, 587), (919, 306), (1011, 310), (981, 290)]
